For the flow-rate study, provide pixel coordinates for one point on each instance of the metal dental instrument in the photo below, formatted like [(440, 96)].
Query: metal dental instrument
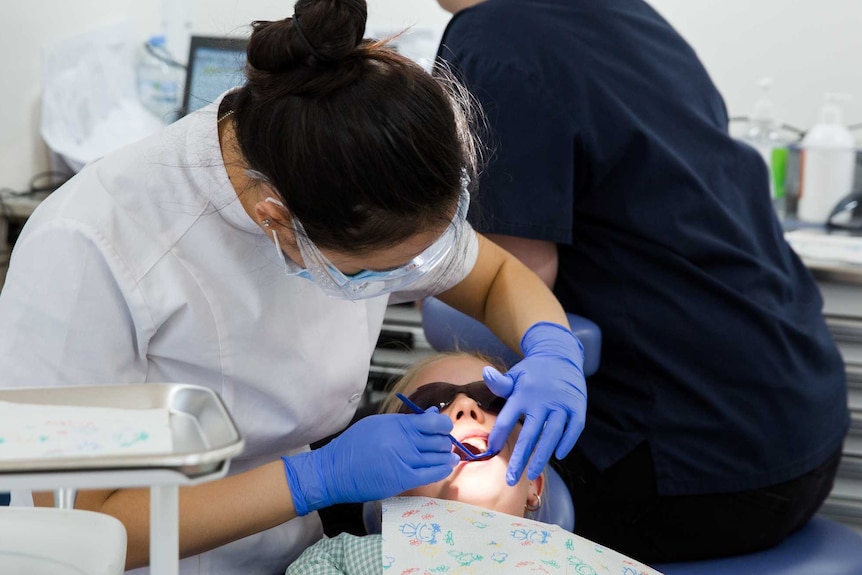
[(465, 454)]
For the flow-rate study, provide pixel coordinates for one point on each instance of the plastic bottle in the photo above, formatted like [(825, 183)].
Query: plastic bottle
[(764, 134), (160, 80), (828, 163)]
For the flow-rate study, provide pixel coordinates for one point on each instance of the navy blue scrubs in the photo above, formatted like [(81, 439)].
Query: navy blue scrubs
[(609, 138)]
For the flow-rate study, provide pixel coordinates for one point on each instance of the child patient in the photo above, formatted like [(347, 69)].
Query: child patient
[(453, 383)]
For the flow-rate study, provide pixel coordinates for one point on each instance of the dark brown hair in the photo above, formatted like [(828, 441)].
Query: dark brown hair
[(365, 147)]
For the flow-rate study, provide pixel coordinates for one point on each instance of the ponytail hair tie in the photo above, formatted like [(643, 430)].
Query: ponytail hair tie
[(307, 43)]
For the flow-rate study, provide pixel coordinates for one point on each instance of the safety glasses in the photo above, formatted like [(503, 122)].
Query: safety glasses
[(441, 394), (370, 283)]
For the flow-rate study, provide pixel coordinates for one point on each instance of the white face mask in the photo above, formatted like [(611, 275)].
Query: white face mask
[(368, 283), (291, 268)]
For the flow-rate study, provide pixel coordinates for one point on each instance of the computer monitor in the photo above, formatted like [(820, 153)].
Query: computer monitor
[(216, 64)]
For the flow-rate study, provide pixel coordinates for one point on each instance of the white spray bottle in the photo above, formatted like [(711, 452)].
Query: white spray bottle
[(828, 163)]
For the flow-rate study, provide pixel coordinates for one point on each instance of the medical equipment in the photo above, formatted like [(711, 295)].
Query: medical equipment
[(466, 454), (216, 64), (204, 440), (159, 79)]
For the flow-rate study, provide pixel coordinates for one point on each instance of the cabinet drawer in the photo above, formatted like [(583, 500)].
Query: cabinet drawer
[(848, 512), (853, 448), (854, 393), (841, 299), (845, 329), (848, 336), (845, 500)]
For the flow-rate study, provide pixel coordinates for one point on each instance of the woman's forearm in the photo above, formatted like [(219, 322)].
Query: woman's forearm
[(211, 514), (505, 295)]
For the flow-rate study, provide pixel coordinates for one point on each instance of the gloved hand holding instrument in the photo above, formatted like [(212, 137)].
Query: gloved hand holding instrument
[(548, 389), (375, 458)]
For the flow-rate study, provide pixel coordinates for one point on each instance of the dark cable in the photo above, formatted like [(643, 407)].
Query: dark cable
[(162, 57), (794, 129), (787, 127), (55, 180), (4, 211)]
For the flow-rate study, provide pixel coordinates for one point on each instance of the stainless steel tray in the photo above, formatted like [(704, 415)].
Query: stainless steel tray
[(203, 432)]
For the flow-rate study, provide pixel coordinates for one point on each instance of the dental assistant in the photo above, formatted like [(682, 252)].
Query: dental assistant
[(252, 248), (615, 177)]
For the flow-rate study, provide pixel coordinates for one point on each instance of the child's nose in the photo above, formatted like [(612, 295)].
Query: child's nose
[(465, 406)]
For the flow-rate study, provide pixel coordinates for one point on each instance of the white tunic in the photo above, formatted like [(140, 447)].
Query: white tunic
[(146, 268)]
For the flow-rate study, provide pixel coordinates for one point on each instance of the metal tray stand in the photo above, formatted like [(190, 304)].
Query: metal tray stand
[(204, 439)]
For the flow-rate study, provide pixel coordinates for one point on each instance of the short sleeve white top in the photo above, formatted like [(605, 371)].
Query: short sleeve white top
[(146, 268)]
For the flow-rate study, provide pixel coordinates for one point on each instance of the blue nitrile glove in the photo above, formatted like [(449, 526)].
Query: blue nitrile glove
[(548, 388), (377, 457)]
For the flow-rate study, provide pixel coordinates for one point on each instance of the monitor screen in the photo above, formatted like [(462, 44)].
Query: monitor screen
[(215, 65)]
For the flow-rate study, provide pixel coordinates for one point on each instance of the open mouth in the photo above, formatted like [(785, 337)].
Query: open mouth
[(476, 446)]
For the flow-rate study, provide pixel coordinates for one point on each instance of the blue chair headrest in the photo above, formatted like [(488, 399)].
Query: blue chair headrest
[(447, 329)]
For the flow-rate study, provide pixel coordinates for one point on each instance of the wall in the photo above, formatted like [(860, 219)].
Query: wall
[(807, 49), (24, 27)]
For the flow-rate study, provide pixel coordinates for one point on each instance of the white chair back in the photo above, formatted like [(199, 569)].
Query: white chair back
[(50, 541)]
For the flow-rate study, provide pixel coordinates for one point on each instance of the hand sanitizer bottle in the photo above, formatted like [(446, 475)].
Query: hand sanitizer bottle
[(764, 134), (828, 163)]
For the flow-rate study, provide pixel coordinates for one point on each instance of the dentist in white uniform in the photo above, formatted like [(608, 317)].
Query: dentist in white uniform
[(252, 248)]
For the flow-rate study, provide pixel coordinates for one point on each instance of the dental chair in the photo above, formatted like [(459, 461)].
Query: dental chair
[(822, 547), (447, 329)]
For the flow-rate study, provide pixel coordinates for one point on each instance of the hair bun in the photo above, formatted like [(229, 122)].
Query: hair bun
[(320, 31)]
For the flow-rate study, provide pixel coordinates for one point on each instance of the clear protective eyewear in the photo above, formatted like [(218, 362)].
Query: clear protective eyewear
[(370, 283)]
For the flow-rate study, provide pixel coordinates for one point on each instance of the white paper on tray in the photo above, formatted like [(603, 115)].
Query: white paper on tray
[(45, 431)]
